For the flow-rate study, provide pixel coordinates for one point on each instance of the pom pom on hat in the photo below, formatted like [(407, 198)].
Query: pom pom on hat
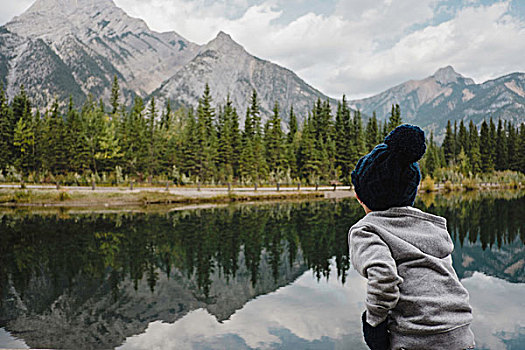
[(408, 142), (389, 175)]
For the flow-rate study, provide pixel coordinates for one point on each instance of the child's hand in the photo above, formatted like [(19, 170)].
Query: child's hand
[(377, 338)]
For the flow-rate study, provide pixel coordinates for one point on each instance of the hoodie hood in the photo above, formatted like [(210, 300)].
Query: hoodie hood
[(407, 225)]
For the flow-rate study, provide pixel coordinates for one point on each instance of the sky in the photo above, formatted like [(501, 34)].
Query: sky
[(353, 47)]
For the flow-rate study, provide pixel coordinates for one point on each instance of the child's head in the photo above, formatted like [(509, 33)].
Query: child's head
[(389, 175)]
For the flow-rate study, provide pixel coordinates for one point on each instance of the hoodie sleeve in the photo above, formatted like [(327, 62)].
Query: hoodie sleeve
[(372, 258)]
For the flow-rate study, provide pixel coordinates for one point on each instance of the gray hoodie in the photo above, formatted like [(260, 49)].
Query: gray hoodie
[(405, 255)]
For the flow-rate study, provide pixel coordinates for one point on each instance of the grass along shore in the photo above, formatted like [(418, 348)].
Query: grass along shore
[(500, 180), (34, 196)]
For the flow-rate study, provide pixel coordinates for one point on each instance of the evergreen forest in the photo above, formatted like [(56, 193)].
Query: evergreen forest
[(206, 144)]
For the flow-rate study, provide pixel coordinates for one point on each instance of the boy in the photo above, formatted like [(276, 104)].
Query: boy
[(414, 297)]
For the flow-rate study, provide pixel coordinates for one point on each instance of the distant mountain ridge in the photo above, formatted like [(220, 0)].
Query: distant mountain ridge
[(59, 48), (447, 95), (62, 48)]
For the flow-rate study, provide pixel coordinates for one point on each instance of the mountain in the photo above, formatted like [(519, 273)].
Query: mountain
[(59, 48), (447, 95), (63, 47), (230, 70)]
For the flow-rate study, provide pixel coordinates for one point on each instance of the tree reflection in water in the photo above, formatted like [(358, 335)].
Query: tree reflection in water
[(136, 245)]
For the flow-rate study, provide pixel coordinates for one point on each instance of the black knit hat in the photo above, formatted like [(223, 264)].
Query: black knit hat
[(389, 175)]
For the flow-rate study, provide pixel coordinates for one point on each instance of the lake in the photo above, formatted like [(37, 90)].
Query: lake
[(268, 276)]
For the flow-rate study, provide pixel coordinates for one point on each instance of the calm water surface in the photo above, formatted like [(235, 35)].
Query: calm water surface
[(269, 276)]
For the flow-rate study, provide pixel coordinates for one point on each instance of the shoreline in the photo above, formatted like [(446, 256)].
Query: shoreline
[(75, 197), (48, 196)]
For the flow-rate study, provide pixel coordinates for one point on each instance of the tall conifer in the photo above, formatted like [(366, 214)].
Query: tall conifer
[(501, 162), (448, 144)]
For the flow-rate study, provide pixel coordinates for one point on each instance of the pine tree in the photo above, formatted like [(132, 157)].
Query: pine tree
[(474, 153), (38, 147), (108, 152), (324, 143), (395, 118), (236, 141), (134, 140), (5, 131), (448, 144), (385, 130), (228, 140), (521, 150), (254, 142), (339, 134), (431, 160), (115, 95), (512, 147), (463, 138), (207, 135), (153, 142), (55, 139), (274, 138), (372, 132), (192, 151), (359, 137), (23, 142), (342, 139), (455, 143), (317, 121), (252, 127), (463, 163), (485, 146), (167, 114), (492, 144), (94, 119), (307, 157), (501, 162), (78, 149), (292, 126), (292, 144), (21, 109), (247, 169)]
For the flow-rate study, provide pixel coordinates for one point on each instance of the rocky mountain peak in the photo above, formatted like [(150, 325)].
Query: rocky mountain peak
[(224, 41), (447, 75), (223, 36)]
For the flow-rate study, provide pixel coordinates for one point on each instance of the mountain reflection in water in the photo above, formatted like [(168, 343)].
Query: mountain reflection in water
[(94, 280)]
